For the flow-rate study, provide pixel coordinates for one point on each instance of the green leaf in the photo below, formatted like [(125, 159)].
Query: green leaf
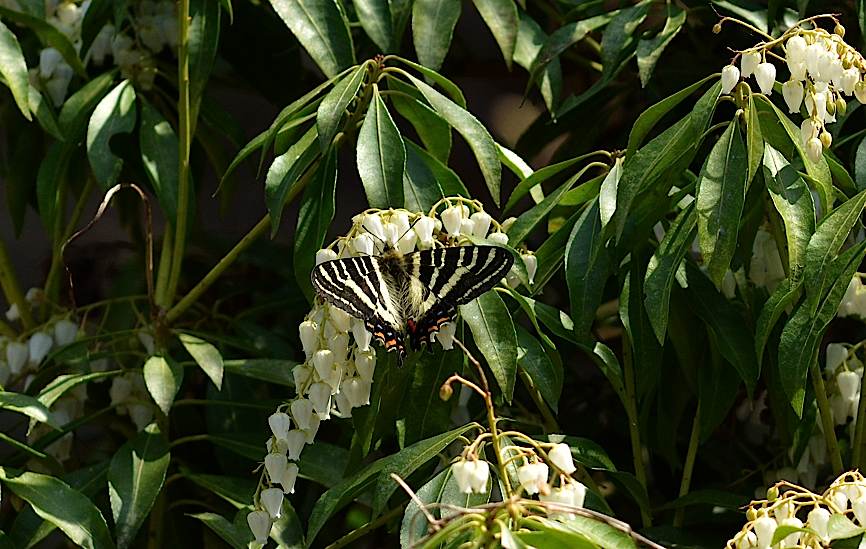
[(49, 35), (530, 39), (13, 68), (599, 533), (860, 165), (650, 49), (617, 40), (537, 178), (284, 174), (636, 323), (650, 117), (49, 178), (493, 331), (793, 201), (444, 182), (609, 365), (473, 131), (375, 17), (433, 24), (334, 105), (381, 156), (27, 405), (415, 525), (238, 491), (546, 375), (434, 77), (377, 474), (135, 479), (607, 192), (75, 112), (263, 369), (63, 383), (115, 114), (720, 197), (754, 139), (56, 502), (314, 217), (501, 18), (435, 133), (206, 356), (785, 294), (587, 262), (203, 36), (44, 114), (237, 537), (163, 378), (421, 189), (159, 155), (824, 244), (841, 527), (562, 39), (553, 539), (423, 411), (321, 29)]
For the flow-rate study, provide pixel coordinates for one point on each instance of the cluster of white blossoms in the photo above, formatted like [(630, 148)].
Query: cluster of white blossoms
[(813, 520), (823, 69), (153, 27), (854, 301), (844, 374), (340, 360)]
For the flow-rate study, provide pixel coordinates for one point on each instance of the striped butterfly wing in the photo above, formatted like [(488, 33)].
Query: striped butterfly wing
[(356, 285), (453, 276)]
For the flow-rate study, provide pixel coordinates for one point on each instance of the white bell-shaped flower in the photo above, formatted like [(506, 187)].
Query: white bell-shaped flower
[(480, 223), (571, 494), (339, 346), (765, 75), (512, 280), (784, 511), (860, 91), (301, 374), (400, 219), (560, 455), (407, 242), (344, 407), (275, 465), (272, 501), (365, 364), (12, 313), (357, 391), (17, 354), (792, 92), (309, 334), (839, 499), (849, 384), (452, 220), (462, 471), (295, 441), (49, 60), (466, 226), (289, 477), (302, 409), (498, 238), (479, 475), (445, 335), (324, 255), (836, 354), (849, 80), (147, 341), (817, 520), (532, 477), (392, 234), (814, 149), (280, 423), (363, 244), (859, 508), (531, 264), (746, 540), (120, 390), (311, 431), (825, 66), (373, 224), (795, 49), (424, 230), (361, 335), (808, 129), (323, 362), (38, 345), (764, 527), (730, 77), (260, 525), (320, 396), (749, 62), (65, 332), (791, 540), (813, 55), (798, 71), (839, 408)]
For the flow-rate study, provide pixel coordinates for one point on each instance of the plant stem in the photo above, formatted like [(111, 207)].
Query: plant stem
[(826, 417), (52, 280), (369, 527), (633, 423), (6, 330), (689, 466), (11, 288), (184, 141), (550, 423), (260, 228), (164, 268)]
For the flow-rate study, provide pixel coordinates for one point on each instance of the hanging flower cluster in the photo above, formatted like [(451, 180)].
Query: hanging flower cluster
[(792, 516), (340, 360), (854, 301), (822, 69)]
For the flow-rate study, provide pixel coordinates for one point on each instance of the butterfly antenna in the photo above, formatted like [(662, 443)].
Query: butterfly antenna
[(412, 226)]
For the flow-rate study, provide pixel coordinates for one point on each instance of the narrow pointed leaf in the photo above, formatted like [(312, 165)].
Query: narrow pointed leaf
[(435, 133), (206, 356), (649, 50), (27, 405), (433, 24), (115, 114), (284, 174), (159, 155), (334, 105), (501, 18), (13, 68), (314, 217), (587, 262), (530, 39), (375, 17), (493, 332), (163, 378), (381, 156), (321, 29)]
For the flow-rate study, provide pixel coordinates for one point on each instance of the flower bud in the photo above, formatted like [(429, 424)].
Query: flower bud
[(39, 344), (860, 91), (452, 219), (324, 255), (560, 455), (841, 106), (445, 392), (260, 525), (289, 477), (839, 30), (302, 409), (531, 263), (817, 520), (532, 477), (749, 62), (280, 423), (272, 501), (275, 465), (498, 238), (826, 139), (295, 441), (480, 223), (717, 28), (792, 92), (765, 74), (730, 77), (12, 313), (772, 493), (64, 332), (17, 354), (814, 149)]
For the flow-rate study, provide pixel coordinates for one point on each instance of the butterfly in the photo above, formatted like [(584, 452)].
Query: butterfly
[(410, 296)]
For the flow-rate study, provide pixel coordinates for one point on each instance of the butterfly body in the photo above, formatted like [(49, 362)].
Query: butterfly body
[(409, 297)]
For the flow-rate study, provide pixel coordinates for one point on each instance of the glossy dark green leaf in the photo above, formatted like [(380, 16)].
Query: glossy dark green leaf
[(263, 369), (66, 508), (563, 38), (435, 133), (436, 78), (285, 172), (646, 349), (446, 180), (433, 24), (473, 131), (163, 378), (793, 201), (381, 156), (322, 30), (95, 18), (599, 533), (135, 479), (537, 178), (49, 35), (238, 491), (237, 537), (314, 217), (206, 356), (421, 189), (754, 139), (415, 525), (546, 375), (115, 114), (841, 527), (501, 18), (13, 68), (720, 196), (27, 405), (530, 39), (860, 165), (824, 245), (618, 40), (334, 105), (159, 155), (49, 179), (785, 294), (44, 113), (204, 36), (63, 383), (375, 18), (493, 332), (75, 112), (649, 50), (553, 539), (587, 262), (424, 413)]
